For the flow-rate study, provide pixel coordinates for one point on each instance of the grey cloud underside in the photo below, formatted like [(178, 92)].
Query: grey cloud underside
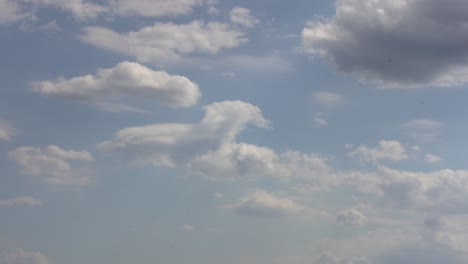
[(404, 43)]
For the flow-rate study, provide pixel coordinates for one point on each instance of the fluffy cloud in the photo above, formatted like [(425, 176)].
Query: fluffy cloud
[(209, 148), (20, 256), (264, 204), (126, 79), (51, 163), (351, 217), (366, 38), (20, 201), (6, 131), (436, 191), (167, 42), (386, 150), (243, 17)]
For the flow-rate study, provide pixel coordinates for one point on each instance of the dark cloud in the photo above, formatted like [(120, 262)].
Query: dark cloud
[(398, 43)]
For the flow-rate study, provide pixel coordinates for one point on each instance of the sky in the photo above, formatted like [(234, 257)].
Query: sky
[(234, 132)]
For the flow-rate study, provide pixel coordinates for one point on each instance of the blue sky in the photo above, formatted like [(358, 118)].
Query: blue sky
[(254, 132)]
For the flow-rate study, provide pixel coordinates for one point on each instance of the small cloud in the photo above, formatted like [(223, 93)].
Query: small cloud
[(319, 120), (351, 217), (264, 204), (52, 164), (188, 228), (228, 74), (21, 256), (327, 98), (386, 150), (430, 158), (213, 11), (21, 201), (218, 195), (7, 131), (242, 17), (425, 124), (425, 130)]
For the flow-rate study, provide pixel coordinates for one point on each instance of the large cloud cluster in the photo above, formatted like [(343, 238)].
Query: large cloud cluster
[(399, 43)]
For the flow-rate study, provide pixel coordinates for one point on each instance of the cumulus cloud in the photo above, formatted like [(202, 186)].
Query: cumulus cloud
[(386, 150), (351, 217), (52, 164), (21, 201), (6, 131), (209, 148), (264, 204), (20, 256), (404, 43), (126, 79), (242, 17), (435, 191), (167, 42)]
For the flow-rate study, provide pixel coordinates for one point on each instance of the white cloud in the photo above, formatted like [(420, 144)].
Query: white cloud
[(209, 148), (264, 204), (319, 120), (20, 201), (386, 150), (10, 11), (262, 64), (188, 228), (243, 17), (167, 42), (218, 195), (430, 158), (362, 35), (126, 79), (426, 130), (228, 74), (16, 10), (327, 98), (20, 256), (436, 191), (153, 8), (351, 217), (51, 163), (328, 258), (6, 131)]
